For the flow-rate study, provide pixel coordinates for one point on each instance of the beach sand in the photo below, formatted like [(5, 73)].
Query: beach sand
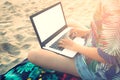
[(17, 36)]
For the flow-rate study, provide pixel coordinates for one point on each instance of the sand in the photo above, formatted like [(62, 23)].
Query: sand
[(17, 36)]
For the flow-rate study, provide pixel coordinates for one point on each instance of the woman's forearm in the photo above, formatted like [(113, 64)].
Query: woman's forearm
[(90, 52)]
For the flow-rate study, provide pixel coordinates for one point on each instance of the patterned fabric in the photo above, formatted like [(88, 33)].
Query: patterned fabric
[(85, 71), (110, 33), (106, 25), (28, 71), (105, 36)]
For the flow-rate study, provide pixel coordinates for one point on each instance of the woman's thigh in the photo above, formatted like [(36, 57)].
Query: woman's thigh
[(51, 60)]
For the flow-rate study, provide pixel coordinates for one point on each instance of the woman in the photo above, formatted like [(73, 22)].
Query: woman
[(99, 58)]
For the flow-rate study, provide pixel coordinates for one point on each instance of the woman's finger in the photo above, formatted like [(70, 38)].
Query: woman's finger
[(60, 43), (73, 35)]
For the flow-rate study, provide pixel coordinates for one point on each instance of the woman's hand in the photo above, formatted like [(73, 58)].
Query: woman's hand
[(78, 32), (68, 44)]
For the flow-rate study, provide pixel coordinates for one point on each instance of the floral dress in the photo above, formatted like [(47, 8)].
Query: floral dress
[(105, 36)]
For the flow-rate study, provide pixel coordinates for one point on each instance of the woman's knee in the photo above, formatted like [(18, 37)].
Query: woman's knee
[(32, 56)]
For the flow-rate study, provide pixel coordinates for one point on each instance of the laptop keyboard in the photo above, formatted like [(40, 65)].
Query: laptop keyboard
[(55, 44)]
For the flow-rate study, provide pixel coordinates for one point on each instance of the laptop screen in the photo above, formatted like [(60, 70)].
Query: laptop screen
[(49, 21)]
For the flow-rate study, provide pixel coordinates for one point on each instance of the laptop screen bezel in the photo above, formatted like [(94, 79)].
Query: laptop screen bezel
[(54, 34)]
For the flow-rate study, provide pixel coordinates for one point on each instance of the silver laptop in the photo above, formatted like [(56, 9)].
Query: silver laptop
[(50, 26)]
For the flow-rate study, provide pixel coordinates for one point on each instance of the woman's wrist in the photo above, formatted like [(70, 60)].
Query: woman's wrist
[(77, 48), (87, 32)]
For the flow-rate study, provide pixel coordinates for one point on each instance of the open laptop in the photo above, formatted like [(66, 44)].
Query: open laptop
[(50, 26)]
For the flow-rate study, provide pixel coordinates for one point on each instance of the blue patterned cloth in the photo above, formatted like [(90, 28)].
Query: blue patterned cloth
[(29, 71), (95, 70)]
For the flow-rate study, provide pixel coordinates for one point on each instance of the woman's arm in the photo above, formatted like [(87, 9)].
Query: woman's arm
[(90, 52)]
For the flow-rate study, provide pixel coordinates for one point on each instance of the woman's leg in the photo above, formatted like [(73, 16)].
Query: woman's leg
[(50, 60)]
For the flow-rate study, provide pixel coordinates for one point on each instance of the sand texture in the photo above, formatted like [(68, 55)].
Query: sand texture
[(17, 36)]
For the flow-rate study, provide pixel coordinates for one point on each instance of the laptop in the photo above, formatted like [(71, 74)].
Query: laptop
[(50, 26)]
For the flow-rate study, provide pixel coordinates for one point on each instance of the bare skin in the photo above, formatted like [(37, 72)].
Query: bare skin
[(51, 60)]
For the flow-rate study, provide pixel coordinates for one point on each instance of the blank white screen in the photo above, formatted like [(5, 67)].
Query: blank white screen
[(49, 22)]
